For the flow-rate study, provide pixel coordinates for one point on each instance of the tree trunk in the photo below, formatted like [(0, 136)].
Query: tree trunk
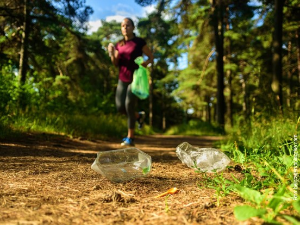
[(289, 78), (163, 109), (24, 55), (151, 98), (245, 100), (208, 111), (229, 75), (24, 44), (277, 52), (219, 39), (298, 60)]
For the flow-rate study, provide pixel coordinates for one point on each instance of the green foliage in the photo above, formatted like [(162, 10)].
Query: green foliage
[(267, 157), (268, 179), (264, 134), (245, 212), (108, 32), (92, 126), (6, 128), (74, 125), (268, 207), (69, 70), (9, 91), (195, 127), (218, 182)]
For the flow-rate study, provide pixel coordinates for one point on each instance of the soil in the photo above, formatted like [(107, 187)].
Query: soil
[(47, 179)]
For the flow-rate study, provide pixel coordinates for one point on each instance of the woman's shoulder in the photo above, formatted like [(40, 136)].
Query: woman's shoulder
[(140, 40)]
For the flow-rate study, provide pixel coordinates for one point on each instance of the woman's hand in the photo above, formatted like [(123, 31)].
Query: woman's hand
[(111, 49), (113, 54), (149, 54), (145, 64)]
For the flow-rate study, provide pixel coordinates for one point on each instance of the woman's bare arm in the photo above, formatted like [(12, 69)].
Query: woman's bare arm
[(149, 54)]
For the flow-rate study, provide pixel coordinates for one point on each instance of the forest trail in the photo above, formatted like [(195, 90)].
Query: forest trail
[(158, 146), (47, 179)]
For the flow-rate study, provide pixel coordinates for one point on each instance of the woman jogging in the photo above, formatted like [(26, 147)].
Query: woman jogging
[(123, 55)]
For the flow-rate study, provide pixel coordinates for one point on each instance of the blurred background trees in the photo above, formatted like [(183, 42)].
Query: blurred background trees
[(241, 59)]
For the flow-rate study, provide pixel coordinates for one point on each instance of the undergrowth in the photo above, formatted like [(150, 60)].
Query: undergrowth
[(195, 128), (266, 151), (102, 126)]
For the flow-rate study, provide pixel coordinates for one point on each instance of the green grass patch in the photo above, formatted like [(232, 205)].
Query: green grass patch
[(263, 135), (102, 126), (267, 151), (195, 128), (7, 129)]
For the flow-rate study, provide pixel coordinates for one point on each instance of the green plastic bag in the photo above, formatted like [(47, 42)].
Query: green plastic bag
[(140, 83)]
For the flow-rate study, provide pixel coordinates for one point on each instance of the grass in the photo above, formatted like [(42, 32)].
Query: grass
[(195, 128), (267, 152), (102, 126), (90, 127), (264, 134)]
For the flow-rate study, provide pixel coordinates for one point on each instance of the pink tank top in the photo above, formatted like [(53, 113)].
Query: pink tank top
[(127, 54)]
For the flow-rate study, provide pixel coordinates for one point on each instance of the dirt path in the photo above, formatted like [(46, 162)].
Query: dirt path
[(48, 180)]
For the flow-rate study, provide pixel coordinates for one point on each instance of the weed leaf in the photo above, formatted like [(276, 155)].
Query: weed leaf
[(245, 212), (239, 157), (249, 194), (262, 171), (296, 205), (287, 160), (291, 219), (277, 200)]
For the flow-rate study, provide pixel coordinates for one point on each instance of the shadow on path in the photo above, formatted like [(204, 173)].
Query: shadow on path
[(160, 147)]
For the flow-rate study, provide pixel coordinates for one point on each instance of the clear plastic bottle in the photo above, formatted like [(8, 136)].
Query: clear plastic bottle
[(123, 164), (203, 159)]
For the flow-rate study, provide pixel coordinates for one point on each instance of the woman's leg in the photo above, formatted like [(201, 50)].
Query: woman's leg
[(130, 105), (125, 103), (121, 93)]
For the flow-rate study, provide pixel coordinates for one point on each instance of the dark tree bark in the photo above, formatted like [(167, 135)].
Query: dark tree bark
[(151, 96), (246, 107), (208, 109), (298, 59), (23, 62), (277, 52), (229, 75), (289, 87), (219, 42), (24, 44)]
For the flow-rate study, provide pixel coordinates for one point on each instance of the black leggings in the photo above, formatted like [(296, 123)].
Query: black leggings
[(126, 101)]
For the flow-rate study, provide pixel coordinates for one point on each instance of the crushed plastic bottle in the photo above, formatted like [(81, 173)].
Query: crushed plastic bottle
[(203, 159), (123, 164)]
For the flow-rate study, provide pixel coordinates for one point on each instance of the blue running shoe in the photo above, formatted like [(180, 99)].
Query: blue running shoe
[(127, 142), (141, 119)]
